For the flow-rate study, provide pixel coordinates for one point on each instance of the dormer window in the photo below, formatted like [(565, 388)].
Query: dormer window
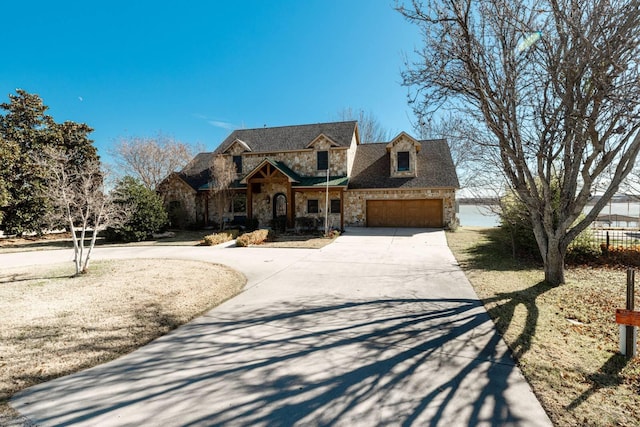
[(237, 160), (403, 156), (403, 161), (322, 158)]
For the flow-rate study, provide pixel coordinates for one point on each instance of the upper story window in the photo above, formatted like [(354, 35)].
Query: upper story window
[(403, 161), (237, 160), (322, 160)]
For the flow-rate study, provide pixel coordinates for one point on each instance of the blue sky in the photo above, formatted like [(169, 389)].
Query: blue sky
[(195, 70)]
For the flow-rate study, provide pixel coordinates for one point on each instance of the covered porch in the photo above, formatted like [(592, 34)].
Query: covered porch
[(274, 193)]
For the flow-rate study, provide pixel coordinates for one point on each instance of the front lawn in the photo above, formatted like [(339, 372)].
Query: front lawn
[(54, 324), (564, 338)]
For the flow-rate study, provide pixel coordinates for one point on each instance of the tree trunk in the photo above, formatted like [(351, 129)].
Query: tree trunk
[(554, 264)]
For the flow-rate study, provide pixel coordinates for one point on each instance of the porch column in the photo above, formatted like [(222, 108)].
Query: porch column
[(291, 206), (341, 208), (249, 201), (206, 208)]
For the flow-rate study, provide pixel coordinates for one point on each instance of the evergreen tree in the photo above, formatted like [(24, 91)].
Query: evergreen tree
[(147, 214), (25, 131)]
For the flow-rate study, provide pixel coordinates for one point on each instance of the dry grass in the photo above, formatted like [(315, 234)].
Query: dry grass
[(63, 241), (565, 338), (297, 241), (181, 238), (54, 325)]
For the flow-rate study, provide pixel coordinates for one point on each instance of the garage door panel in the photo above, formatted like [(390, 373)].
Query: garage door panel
[(405, 213)]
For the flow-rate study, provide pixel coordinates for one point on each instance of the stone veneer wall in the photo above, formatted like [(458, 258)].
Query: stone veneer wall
[(301, 205), (403, 144), (302, 162), (355, 202), (263, 210), (174, 189)]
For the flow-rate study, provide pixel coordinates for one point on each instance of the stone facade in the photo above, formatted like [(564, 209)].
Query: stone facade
[(263, 202), (372, 171), (355, 203), (301, 205), (303, 161), (179, 200), (403, 143)]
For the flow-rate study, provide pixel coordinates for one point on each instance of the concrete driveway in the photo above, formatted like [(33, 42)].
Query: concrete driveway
[(379, 328)]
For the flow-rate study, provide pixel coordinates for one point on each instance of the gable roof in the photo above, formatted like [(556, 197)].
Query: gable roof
[(371, 167), (321, 137), (403, 135), (284, 169), (239, 142), (290, 137), (197, 173)]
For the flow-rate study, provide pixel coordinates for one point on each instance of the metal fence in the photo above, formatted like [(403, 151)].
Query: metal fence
[(626, 238)]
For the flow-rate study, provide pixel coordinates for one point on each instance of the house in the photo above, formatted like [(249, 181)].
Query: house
[(295, 172)]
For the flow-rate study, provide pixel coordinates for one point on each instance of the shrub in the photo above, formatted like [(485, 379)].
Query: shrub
[(582, 250), (147, 212), (307, 223), (253, 238), (516, 221), (620, 255), (251, 224), (216, 239), (279, 224)]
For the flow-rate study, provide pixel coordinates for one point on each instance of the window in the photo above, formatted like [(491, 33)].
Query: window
[(312, 206), (239, 204), (335, 206), (403, 161), (323, 160), (256, 187), (237, 160)]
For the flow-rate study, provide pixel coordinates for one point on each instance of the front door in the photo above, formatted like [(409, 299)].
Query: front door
[(280, 212)]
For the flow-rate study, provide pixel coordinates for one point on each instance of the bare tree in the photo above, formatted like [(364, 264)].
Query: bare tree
[(466, 152), (79, 199), (368, 125), (223, 173), (556, 85), (151, 159)]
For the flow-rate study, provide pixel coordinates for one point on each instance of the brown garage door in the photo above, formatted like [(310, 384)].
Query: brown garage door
[(405, 213)]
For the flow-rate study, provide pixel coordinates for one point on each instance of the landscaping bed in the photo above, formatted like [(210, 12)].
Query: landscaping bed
[(564, 338)]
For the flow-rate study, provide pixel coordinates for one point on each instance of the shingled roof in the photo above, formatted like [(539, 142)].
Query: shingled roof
[(290, 137), (371, 167), (197, 173)]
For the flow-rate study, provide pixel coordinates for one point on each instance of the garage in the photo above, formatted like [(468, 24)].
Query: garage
[(420, 213)]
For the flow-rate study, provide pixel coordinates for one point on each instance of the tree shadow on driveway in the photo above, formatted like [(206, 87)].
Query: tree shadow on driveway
[(381, 362)]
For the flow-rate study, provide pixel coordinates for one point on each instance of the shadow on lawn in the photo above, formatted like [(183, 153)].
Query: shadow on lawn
[(504, 309), (495, 253), (607, 376), (388, 361)]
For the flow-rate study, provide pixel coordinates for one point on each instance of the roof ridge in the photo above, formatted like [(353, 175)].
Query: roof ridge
[(301, 125)]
